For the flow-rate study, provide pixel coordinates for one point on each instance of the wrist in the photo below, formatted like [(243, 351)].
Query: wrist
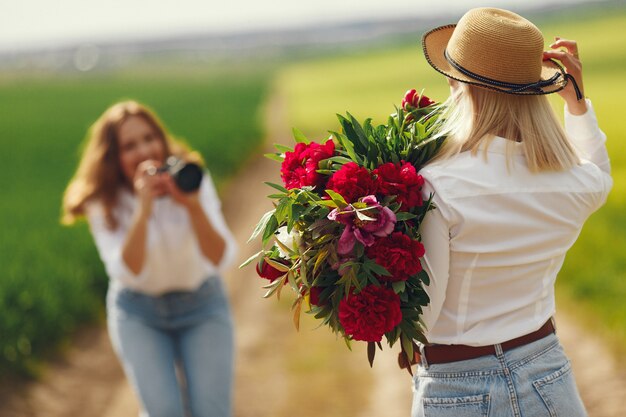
[(193, 205), (144, 210), (577, 108)]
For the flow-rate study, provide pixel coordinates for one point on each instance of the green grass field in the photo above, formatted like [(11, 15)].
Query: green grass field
[(592, 284), (52, 279)]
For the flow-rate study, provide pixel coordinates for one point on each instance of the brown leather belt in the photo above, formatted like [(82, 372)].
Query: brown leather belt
[(452, 353)]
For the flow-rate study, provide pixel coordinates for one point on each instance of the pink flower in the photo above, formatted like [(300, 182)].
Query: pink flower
[(364, 223)]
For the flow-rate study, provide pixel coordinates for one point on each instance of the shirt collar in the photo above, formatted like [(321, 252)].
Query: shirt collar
[(499, 145)]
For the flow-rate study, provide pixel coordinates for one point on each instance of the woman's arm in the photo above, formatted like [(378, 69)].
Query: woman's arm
[(580, 120), (147, 187), (211, 243), (214, 239), (435, 233), (571, 61)]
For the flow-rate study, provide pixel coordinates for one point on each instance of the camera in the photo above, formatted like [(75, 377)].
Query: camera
[(186, 175)]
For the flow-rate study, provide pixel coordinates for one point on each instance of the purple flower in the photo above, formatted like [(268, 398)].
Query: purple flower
[(365, 221)]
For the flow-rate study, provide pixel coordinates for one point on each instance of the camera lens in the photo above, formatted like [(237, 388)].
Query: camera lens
[(188, 178)]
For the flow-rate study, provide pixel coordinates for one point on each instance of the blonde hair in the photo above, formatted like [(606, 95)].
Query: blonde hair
[(99, 174), (473, 116)]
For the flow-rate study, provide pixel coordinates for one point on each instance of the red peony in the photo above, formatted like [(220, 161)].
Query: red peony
[(399, 254), (352, 182), (267, 271), (413, 99), (300, 166), (370, 314), (401, 180)]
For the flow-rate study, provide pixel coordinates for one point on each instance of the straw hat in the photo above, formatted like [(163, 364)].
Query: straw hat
[(496, 49)]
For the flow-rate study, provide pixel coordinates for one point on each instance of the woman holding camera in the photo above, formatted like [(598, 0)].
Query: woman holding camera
[(163, 249), (512, 190)]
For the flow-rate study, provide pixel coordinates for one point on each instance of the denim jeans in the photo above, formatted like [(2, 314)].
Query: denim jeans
[(176, 349), (533, 380)]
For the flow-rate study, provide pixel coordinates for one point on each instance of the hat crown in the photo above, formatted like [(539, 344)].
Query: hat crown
[(498, 44)]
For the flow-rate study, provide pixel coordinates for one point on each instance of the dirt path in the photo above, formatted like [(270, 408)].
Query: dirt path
[(89, 381)]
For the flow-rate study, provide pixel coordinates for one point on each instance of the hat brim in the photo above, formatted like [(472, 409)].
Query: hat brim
[(435, 41)]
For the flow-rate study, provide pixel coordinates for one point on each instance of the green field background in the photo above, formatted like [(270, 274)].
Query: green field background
[(52, 280), (592, 285)]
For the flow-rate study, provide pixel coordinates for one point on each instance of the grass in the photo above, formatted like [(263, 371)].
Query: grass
[(52, 277), (592, 284)]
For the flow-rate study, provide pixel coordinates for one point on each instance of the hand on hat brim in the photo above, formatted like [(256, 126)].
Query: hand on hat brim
[(570, 61)]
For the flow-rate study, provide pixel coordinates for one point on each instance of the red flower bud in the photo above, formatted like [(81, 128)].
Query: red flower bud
[(267, 271), (413, 100), (424, 102), (408, 98)]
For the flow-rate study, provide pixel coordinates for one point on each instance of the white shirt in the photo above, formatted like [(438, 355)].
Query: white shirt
[(498, 237), (174, 261)]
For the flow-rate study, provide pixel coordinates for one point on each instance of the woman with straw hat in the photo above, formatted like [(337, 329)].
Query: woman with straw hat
[(512, 190)]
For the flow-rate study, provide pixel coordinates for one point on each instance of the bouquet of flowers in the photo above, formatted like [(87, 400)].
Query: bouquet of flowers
[(343, 234)]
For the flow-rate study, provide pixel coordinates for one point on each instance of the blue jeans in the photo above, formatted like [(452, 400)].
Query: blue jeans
[(176, 349), (533, 380)]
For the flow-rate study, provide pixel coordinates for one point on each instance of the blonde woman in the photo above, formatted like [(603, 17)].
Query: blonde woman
[(512, 190), (163, 250)]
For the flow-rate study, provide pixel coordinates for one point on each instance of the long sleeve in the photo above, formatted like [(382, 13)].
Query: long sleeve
[(585, 134), (109, 243), (435, 234)]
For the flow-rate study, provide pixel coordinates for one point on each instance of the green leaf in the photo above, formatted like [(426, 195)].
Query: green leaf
[(349, 147), (285, 248), (250, 259), (283, 209), (407, 345), (371, 352), (277, 265), (270, 228), (359, 145), (358, 129), (398, 286), (274, 286), (377, 269), (337, 198), (277, 196), (326, 203), (283, 148), (276, 186), (299, 136), (274, 157), (403, 215), (261, 225), (321, 257), (339, 159)]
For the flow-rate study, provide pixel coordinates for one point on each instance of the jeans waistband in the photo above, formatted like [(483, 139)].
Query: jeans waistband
[(173, 305)]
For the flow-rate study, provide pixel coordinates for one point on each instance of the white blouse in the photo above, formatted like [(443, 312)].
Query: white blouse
[(498, 237), (174, 261)]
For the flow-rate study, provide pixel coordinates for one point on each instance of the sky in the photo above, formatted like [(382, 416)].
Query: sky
[(26, 24)]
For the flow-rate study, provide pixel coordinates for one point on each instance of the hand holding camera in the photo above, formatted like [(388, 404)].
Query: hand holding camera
[(186, 175)]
